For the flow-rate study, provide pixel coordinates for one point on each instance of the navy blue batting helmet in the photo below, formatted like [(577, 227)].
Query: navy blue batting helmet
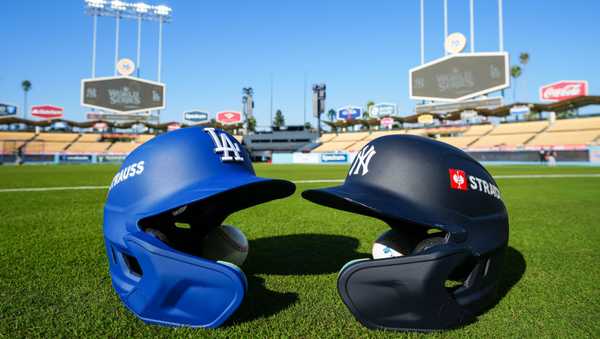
[(448, 207), (196, 176)]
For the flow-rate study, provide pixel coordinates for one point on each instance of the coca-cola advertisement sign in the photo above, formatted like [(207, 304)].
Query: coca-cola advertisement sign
[(47, 111), (563, 90)]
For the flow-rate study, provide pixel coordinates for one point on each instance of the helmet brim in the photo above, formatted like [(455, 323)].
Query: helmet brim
[(379, 204), (233, 194)]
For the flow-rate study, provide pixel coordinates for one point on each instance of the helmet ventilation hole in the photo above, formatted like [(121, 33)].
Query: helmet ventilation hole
[(133, 265)]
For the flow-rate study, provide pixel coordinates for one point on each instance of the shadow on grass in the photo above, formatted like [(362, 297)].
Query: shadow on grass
[(296, 254), (301, 254), (513, 269)]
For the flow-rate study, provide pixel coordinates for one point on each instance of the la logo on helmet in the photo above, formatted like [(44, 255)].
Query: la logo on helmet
[(229, 150)]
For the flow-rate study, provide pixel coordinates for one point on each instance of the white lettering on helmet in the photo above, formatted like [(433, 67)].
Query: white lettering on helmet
[(126, 173), (475, 184)]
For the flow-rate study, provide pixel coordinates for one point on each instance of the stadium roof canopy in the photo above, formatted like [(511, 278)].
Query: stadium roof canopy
[(503, 111)]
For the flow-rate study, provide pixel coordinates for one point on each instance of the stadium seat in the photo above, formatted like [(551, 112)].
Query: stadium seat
[(144, 137), (350, 136), (89, 137), (16, 135), (357, 146), (123, 147), (460, 142), (10, 146), (327, 137), (578, 124), (478, 130), (378, 134), (509, 140), (45, 147), (565, 138), (88, 147), (63, 137), (519, 127), (333, 146), (416, 131)]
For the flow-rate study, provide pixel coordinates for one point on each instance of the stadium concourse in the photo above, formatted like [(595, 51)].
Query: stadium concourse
[(571, 138)]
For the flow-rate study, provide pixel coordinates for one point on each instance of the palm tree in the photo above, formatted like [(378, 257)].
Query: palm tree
[(331, 114), (26, 86), (524, 59), (515, 72), (251, 123), (369, 104)]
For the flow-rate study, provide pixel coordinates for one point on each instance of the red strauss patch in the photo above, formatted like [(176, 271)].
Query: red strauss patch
[(458, 179)]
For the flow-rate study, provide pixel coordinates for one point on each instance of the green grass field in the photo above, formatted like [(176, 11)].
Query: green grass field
[(54, 278)]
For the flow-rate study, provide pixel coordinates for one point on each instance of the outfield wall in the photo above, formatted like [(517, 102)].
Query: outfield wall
[(588, 156)]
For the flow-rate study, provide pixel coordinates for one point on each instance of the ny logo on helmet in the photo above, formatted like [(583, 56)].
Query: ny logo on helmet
[(362, 160), (229, 150)]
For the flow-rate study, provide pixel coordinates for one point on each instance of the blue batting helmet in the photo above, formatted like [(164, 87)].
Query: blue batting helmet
[(195, 176)]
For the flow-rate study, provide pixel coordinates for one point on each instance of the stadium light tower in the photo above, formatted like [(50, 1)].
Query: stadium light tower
[(163, 13), (94, 7), (141, 9), (120, 9)]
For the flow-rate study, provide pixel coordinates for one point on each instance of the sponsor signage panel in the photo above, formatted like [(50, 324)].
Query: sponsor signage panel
[(425, 119), (122, 94), (47, 111), (306, 158), (8, 109), (349, 113), (173, 126), (111, 158), (459, 106), (563, 90), (121, 117), (520, 110), (229, 117), (383, 110), (386, 122), (195, 117), (334, 157), (459, 77), (75, 158), (594, 153)]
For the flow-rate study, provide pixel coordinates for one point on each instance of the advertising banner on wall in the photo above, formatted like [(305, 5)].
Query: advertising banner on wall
[(47, 111), (8, 109), (194, 117), (383, 110), (349, 113), (563, 90), (229, 117), (386, 122), (334, 158)]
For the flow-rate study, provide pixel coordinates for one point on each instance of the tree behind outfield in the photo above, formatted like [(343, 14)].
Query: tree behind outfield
[(279, 120)]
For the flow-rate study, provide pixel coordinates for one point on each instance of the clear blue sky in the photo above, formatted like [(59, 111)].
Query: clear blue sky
[(362, 50)]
